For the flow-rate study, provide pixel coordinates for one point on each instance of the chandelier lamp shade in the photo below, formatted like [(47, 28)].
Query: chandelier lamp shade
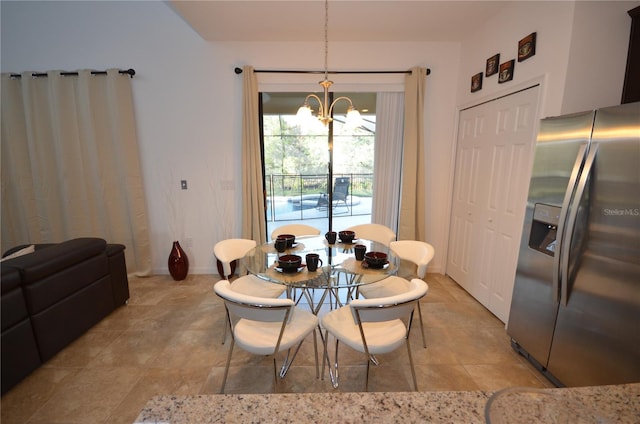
[(325, 110)]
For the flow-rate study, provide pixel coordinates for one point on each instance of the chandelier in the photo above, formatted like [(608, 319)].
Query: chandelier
[(325, 110)]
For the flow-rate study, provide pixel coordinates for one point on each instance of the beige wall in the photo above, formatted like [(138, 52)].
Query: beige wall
[(598, 55), (581, 52)]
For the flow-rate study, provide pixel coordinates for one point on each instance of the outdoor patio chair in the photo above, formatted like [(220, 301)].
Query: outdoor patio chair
[(340, 194)]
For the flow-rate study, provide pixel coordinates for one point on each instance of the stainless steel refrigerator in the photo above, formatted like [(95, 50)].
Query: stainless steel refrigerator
[(575, 311)]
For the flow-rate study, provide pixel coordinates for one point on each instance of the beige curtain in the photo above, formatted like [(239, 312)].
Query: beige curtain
[(387, 162), (253, 221), (412, 200), (70, 165)]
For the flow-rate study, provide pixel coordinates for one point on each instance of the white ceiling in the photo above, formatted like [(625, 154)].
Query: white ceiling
[(349, 20)]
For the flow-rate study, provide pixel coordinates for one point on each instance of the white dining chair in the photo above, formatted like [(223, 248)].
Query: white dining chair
[(297, 230), (373, 326), (414, 253), (374, 232), (266, 327), (229, 250)]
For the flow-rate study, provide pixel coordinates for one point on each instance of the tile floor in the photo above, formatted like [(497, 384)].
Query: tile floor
[(167, 340)]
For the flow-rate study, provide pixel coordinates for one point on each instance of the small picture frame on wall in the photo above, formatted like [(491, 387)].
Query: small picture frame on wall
[(492, 65), (527, 47), (505, 72), (476, 82)]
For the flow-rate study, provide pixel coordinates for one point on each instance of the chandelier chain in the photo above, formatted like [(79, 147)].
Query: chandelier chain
[(326, 38)]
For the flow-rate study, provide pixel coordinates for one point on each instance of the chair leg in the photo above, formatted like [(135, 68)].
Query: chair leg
[(424, 340), (227, 323), (224, 334), (373, 359), (413, 371), (335, 381), (287, 362), (315, 351), (275, 375), (325, 359), (325, 354), (337, 202), (226, 368), (366, 378)]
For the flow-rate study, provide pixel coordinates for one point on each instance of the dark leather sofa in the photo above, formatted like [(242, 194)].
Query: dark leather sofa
[(52, 296)]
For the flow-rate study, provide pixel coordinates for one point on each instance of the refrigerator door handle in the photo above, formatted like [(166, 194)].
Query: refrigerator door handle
[(573, 213), (575, 173)]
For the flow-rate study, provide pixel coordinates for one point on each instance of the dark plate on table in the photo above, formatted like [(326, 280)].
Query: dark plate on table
[(366, 265), (354, 241), (290, 270), (294, 246), (375, 260)]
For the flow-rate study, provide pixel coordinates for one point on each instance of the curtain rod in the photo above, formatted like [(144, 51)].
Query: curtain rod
[(287, 71), (130, 72)]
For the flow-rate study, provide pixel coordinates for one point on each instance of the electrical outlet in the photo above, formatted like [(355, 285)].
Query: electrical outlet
[(183, 184)]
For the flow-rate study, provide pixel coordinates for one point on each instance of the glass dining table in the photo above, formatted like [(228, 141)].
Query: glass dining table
[(338, 269)]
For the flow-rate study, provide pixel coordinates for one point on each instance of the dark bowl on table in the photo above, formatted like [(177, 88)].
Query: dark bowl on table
[(347, 236), (375, 259), (289, 263), (290, 238)]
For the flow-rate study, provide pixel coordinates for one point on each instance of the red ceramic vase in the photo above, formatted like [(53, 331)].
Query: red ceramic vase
[(178, 262)]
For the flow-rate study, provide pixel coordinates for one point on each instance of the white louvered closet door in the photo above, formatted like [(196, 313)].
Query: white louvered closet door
[(493, 163)]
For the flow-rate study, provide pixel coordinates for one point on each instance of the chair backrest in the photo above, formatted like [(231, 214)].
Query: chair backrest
[(418, 252), (295, 229), (341, 188), (400, 306), (227, 251), (375, 232), (254, 308)]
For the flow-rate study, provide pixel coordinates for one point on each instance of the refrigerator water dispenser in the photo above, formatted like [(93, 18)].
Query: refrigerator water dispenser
[(544, 228)]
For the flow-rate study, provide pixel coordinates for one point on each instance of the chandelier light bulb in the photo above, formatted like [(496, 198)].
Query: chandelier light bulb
[(304, 114), (354, 120)]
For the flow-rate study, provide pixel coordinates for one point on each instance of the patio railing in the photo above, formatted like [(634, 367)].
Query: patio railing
[(295, 196)]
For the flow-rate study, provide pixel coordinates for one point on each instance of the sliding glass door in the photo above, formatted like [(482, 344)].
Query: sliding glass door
[(297, 160)]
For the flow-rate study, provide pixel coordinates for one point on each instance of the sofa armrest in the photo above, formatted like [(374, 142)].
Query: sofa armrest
[(19, 354), (56, 257), (13, 307), (38, 246), (118, 271)]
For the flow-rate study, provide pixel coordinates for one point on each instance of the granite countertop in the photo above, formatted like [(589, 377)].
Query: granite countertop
[(618, 404)]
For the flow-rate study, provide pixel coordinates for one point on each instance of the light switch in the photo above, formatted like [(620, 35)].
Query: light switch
[(183, 184)]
